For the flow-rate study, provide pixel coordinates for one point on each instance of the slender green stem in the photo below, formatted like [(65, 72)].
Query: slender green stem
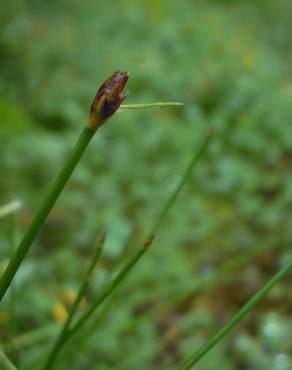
[(86, 279), (4, 360), (186, 176), (194, 358), (150, 105), (110, 288), (44, 209), (12, 242), (60, 341)]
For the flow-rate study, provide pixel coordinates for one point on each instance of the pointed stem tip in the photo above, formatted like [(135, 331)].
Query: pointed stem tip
[(151, 105)]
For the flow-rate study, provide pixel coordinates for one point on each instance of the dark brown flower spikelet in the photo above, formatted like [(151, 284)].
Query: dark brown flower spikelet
[(107, 99)]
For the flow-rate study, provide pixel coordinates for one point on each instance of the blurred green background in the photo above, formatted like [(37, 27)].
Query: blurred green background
[(230, 63)]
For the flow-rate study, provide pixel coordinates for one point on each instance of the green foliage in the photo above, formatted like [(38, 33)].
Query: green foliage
[(229, 62)]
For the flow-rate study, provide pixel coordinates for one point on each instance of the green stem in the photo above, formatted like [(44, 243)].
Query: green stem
[(12, 242), (150, 105), (194, 358), (44, 209), (110, 288), (4, 360), (86, 279), (60, 341), (186, 176)]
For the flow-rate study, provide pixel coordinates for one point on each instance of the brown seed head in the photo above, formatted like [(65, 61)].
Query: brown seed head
[(107, 99)]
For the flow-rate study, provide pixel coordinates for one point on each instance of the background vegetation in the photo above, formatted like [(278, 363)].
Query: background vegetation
[(230, 63)]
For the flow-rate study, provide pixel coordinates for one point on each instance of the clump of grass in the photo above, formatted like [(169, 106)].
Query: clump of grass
[(107, 101), (67, 332)]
